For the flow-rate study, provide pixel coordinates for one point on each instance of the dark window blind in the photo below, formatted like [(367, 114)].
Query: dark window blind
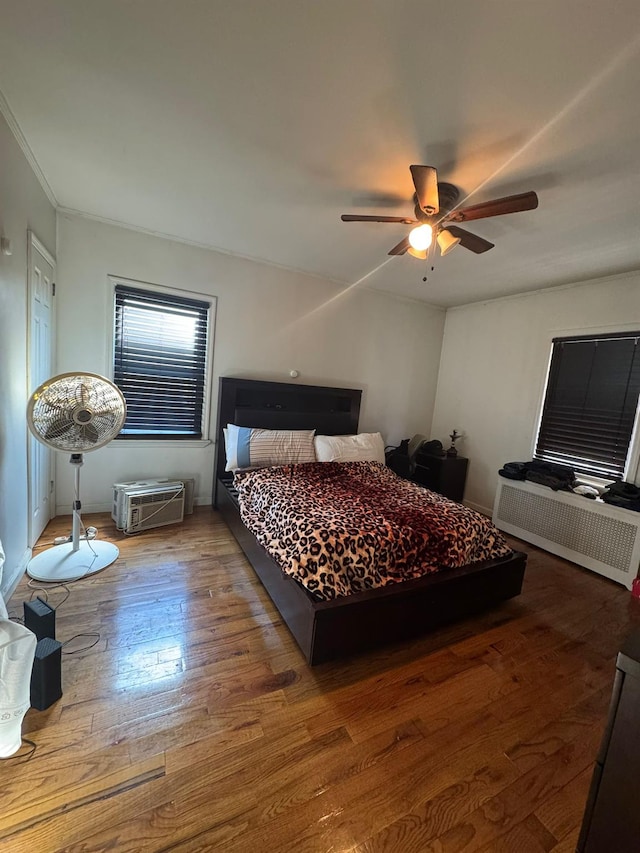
[(160, 362), (590, 404)]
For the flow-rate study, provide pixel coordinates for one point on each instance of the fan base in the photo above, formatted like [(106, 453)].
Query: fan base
[(61, 563)]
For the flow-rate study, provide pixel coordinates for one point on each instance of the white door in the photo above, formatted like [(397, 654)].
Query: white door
[(40, 368)]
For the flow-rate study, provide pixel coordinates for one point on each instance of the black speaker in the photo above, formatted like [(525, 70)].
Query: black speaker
[(40, 618), (46, 675)]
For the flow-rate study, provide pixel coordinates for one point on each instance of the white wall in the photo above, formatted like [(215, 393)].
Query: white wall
[(494, 364), (269, 321), (23, 206)]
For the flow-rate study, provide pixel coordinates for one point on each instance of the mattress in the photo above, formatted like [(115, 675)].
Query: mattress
[(345, 527)]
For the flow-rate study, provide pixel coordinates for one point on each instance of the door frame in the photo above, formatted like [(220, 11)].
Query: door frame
[(33, 243)]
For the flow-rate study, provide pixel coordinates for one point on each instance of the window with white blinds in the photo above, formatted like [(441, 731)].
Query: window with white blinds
[(160, 362), (591, 403)]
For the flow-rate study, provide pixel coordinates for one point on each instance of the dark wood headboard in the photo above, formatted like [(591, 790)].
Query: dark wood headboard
[(284, 405)]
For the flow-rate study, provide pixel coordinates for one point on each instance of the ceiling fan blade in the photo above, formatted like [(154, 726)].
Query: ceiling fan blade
[(470, 241), (401, 248), (350, 217), (425, 180), (496, 207)]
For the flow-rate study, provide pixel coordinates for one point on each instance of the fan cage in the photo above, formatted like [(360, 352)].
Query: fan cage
[(76, 412)]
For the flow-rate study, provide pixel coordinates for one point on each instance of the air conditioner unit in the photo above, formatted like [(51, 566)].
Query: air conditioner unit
[(120, 502), (118, 509), (143, 505)]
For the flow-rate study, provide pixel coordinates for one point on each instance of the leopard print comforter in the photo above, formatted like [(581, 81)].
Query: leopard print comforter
[(344, 527)]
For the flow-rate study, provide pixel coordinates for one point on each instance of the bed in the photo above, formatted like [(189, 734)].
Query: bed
[(349, 624)]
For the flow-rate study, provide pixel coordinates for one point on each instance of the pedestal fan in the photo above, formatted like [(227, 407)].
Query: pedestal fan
[(76, 412)]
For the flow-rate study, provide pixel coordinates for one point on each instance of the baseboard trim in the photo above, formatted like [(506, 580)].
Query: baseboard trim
[(483, 510)]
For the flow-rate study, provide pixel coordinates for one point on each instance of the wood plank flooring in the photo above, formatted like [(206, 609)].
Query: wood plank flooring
[(194, 724)]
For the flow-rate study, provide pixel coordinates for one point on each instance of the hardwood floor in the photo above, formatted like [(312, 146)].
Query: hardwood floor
[(195, 725)]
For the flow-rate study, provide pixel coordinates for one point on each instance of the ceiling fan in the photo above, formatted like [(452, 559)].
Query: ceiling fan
[(435, 213)]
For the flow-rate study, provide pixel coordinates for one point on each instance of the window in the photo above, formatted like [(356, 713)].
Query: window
[(160, 362), (591, 403)]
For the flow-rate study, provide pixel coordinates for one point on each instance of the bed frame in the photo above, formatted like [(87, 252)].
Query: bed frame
[(327, 630)]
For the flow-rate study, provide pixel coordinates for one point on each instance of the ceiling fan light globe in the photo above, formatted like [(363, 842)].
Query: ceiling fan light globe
[(446, 242), (421, 254), (420, 238)]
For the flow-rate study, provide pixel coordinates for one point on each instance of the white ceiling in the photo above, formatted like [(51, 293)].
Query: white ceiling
[(250, 125)]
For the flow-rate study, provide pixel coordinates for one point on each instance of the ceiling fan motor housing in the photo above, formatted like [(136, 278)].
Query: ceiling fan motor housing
[(448, 195)]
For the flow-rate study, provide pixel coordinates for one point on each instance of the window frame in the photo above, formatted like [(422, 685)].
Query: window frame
[(163, 439), (631, 471)]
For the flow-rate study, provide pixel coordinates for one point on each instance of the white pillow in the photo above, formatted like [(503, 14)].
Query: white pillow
[(262, 448), (364, 447)]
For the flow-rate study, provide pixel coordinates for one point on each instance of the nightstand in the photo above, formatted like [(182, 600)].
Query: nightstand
[(443, 474)]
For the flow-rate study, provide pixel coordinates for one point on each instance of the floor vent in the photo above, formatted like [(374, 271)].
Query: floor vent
[(591, 533)]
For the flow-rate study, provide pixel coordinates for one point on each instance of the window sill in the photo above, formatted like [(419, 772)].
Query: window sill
[(144, 443)]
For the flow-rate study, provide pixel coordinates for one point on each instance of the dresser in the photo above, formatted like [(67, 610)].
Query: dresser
[(446, 475), (611, 822)]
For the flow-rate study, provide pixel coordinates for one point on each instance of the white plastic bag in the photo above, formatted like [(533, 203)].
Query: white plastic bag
[(17, 651)]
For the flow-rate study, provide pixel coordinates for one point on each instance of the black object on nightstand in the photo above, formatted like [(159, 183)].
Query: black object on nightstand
[(443, 474), (612, 819)]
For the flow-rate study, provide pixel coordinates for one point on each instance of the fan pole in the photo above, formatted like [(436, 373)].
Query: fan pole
[(77, 461), (78, 557)]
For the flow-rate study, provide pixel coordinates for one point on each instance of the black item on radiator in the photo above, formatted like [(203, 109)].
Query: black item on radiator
[(514, 470), (46, 675), (622, 494), (550, 474)]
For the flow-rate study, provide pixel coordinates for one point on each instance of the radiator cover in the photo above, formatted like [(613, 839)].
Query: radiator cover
[(593, 534)]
